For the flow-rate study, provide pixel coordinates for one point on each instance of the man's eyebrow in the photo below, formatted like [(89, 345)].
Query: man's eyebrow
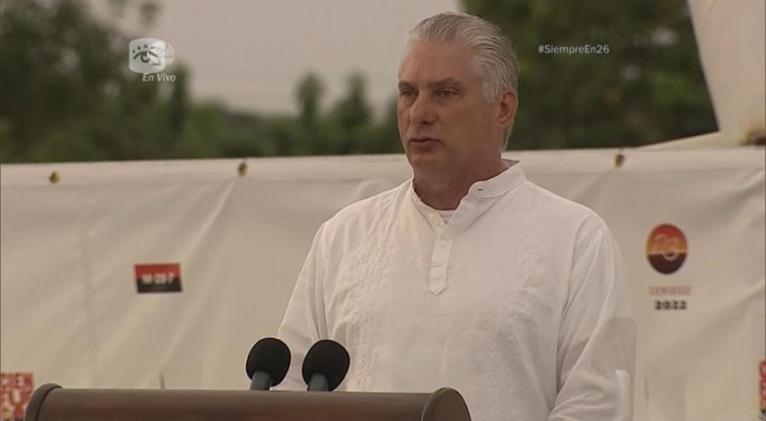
[(448, 81)]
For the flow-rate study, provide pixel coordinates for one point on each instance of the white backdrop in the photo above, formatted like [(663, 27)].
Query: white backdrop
[(71, 314)]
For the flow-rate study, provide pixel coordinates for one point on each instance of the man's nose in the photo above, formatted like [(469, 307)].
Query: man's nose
[(422, 110)]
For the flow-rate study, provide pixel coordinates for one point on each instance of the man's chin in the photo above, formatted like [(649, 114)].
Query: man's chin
[(425, 160)]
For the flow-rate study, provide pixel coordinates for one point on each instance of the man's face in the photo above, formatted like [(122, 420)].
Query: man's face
[(445, 123)]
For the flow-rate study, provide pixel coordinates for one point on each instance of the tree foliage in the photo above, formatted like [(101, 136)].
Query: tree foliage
[(67, 93), (648, 88)]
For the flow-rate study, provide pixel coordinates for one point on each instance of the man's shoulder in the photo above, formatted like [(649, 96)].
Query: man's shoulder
[(560, 211), (367, 211)]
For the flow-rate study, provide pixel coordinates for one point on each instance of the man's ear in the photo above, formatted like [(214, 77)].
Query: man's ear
[(508, 103)]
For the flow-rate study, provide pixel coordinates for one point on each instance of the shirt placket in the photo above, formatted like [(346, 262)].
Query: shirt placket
[(437, 277)]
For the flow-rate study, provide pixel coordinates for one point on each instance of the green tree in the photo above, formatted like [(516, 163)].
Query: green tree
[(68, 94), (40, 47), (309, 93), (387, 134), (648, 88), (353, 110), (348, 128), (314, 136), (353, 115)]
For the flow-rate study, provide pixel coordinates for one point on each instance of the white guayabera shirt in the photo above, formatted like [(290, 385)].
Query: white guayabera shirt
[(518, 301)]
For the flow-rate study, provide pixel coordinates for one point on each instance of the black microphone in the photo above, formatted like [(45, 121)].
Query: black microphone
[(267, 363), (325, 365)]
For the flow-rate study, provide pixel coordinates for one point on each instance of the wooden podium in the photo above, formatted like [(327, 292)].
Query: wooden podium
[(50, 402)]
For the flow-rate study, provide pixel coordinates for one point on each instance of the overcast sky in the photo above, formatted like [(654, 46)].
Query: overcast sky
[(250, 54)]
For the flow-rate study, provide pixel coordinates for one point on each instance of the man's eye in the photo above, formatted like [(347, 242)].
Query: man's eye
[(405, 92), (446, 92)]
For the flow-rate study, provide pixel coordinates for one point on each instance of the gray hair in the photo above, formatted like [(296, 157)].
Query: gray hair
[(495, 59)]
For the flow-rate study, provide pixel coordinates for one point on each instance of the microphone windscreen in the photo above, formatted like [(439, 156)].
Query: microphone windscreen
[(328, 358), (269, 355)]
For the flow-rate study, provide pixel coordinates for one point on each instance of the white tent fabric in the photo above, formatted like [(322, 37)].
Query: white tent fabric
[(731, 40), (71, 312)]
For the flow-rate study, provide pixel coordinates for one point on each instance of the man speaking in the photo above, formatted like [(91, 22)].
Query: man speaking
[(468, 275)]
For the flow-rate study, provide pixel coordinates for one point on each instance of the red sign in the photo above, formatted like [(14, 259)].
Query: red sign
[(158, 277), (763, 388), (15, 391)]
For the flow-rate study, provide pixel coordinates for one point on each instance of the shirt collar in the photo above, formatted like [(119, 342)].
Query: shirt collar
[(498, 185)]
